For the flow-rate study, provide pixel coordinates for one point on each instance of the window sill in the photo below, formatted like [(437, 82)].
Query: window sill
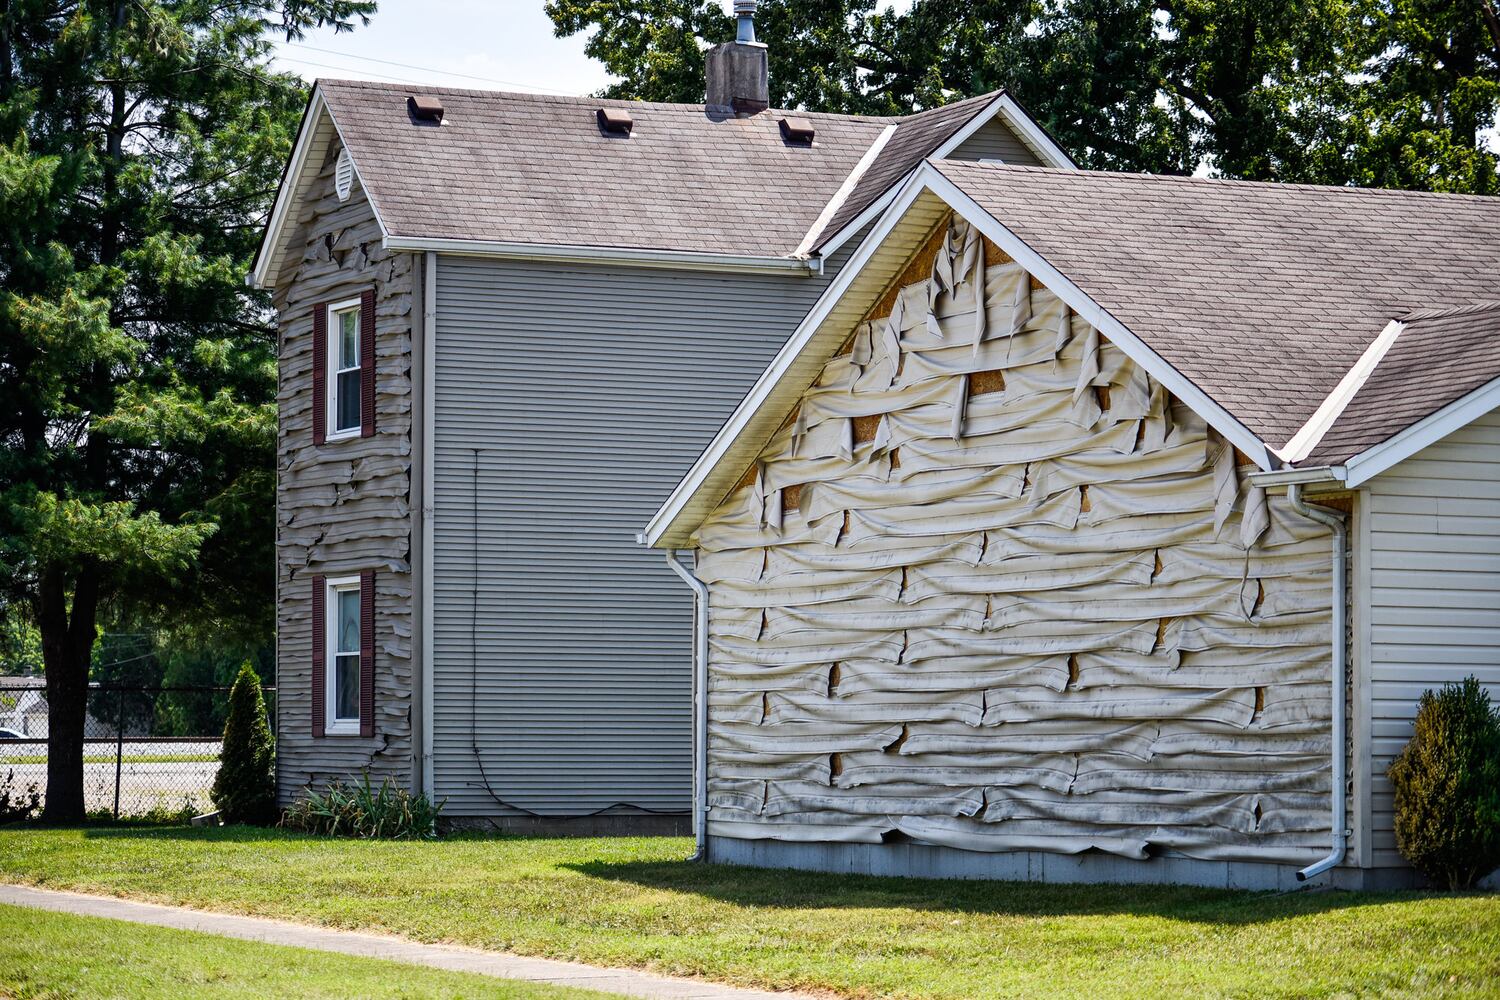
[(345, 435), (341, 729)]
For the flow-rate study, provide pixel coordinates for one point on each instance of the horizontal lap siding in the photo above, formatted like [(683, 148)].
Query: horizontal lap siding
[(589, 391), (344, 506), (1434, 590), (994, 141)]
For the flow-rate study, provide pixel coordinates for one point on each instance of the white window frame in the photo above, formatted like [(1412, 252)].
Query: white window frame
[(332, 724), (335, 310)]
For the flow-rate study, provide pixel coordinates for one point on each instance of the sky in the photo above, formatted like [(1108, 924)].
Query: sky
[(483, 44)]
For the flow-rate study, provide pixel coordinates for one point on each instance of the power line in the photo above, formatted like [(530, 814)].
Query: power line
[(423, 69)]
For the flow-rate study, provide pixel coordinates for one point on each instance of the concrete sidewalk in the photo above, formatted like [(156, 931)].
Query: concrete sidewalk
[(626, 982)]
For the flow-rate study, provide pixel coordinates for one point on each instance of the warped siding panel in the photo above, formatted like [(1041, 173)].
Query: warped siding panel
[(992, 588), (1434, 594), (995, 141), (344, 506), (589, 392)]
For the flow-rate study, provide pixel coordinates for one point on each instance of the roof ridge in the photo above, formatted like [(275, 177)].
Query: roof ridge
[(1482, 306), (972, 165), (593, 100)]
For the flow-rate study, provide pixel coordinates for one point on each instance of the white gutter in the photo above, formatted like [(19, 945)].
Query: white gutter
[(1338, 821), (1305, 476), (1308, 436), (682, 260), (700, 704)]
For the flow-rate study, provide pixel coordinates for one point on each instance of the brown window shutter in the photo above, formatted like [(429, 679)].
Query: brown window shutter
[(367, 363), (367, 653), (320, 373), (319, 655)]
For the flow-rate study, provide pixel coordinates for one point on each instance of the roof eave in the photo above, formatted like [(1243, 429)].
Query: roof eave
[(686, 260)]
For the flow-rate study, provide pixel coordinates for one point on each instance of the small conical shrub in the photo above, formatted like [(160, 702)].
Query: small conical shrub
[(245, 788), (1447, 782)]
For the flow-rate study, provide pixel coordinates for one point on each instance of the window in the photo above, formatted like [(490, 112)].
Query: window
[(344, 369), (341, 695)]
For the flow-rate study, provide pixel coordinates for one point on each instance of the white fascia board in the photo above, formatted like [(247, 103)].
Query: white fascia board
[(689, 485), (1136, 349), (1019, 121), (1429, 430), (676, 259), (290, 195), (1308, 436), (1027, 130), (1299, 477), (845, 189)]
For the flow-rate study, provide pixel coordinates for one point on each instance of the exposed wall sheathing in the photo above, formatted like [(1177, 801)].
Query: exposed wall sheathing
[(344, 506), (991, 587)]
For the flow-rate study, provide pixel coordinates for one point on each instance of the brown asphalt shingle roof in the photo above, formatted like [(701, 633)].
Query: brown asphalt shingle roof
[(1263, 295), (1439, 357), (915, 138), (528, 168)]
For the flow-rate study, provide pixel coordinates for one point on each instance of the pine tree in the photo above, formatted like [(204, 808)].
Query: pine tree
[(140, 144), (245, 788)]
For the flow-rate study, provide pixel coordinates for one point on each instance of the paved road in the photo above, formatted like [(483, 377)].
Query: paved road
[(144, 784)]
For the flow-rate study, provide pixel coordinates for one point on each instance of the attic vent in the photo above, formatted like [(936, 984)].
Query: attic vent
[(798, 131), (423, 108), (343, 175), (614, 121)]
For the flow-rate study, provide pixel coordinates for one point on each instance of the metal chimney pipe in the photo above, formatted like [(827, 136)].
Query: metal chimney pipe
[(745, 11)]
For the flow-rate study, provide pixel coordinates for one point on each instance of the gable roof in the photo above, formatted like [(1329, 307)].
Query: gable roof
[(1262, 295), (1438, 356), (1250, 302), (529, 170), (922, 135)]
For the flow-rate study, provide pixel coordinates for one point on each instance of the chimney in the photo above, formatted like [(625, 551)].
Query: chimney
[(738, 79)]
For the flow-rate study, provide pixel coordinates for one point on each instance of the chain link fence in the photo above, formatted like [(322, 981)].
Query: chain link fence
[(147, 750)]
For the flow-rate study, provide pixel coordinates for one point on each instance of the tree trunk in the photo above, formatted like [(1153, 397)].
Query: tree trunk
[(67, 647)]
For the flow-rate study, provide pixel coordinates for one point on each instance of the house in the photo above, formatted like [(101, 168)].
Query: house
[(23, 706), (508, 323), (1101, 527)]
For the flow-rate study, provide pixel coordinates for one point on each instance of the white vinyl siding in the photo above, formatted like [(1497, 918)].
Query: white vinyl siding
[(995, 141), (1434, 591)]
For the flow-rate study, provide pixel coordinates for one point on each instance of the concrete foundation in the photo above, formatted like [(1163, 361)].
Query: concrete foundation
[(925, 861)]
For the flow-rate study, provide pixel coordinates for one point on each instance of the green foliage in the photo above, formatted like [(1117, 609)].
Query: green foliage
[(358, 810), (244, 790), (1447, 782), (1395, 93), (141, 142), (17, 804), (20, 642)]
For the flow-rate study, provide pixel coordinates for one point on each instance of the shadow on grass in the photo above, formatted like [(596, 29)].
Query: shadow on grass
[(795, 889)]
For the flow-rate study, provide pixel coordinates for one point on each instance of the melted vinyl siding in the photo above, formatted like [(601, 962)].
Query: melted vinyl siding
[(344, 506), (589, 392), (995, 141), (1435, 590)]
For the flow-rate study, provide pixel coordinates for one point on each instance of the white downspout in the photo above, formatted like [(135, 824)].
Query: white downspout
[(1335, 522), (700, 704)]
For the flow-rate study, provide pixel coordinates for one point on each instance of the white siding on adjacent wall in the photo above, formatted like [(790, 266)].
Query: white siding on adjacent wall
[(1434, 591)]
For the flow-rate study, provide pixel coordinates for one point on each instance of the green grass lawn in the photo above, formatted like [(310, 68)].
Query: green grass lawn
[(59, 956), (636, 902)]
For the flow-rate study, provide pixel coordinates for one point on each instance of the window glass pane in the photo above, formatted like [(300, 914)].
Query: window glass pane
[(349, 339), (346, 688), (347, 630), (346, 395)]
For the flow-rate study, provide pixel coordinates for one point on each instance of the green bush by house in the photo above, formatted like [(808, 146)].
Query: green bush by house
[(1447, 782), (245, 788), (389, 813)]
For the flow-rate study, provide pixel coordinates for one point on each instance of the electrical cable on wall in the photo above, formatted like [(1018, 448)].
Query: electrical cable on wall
[(474, 682)]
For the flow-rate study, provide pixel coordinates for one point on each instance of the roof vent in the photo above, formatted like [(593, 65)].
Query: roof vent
[(797, 131), (424, 108), (614, 121), (343, 175)]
